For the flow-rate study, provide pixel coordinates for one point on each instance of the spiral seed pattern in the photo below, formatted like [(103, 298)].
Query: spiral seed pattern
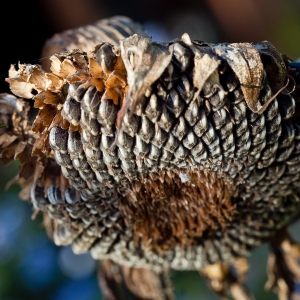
[(174, 136)]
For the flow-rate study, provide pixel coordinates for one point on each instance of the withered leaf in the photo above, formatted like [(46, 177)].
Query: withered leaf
[(144, 62), (244, 59), (95, 69), (47, 97), (39, 144), (120, 70), (52, 98), (98, 83), (57, 120), (205, 63), (68, 62), (17, 84), (277, 70), (78, 77), (54, 83), (62, 69), (114, 81), (113, 94), (79, 59), (44, 118), (32, 77), (47, 114), (39, 101), (35, 75)]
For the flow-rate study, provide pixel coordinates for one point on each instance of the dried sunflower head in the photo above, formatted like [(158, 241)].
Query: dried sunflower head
[(180, 155)]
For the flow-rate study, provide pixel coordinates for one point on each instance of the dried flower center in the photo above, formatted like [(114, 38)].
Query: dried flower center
[(177, 207)]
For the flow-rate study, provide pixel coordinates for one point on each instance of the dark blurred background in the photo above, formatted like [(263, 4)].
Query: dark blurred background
[(31, 266)]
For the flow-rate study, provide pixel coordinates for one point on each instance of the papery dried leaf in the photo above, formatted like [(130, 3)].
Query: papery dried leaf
[(35, 75), (44, 118), (66, 68), (144, 62), (39, 101), (95, 68), (18, 86), (99, 84), (47, 115), (245, 61), (30, 78), (57, 120), (55, 65), (113, 95), (113, 81), (205, 63), (38, 146), (47, 97), (120, 70), (26, 188), (54, 82), (277, 70), (78, 77)]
